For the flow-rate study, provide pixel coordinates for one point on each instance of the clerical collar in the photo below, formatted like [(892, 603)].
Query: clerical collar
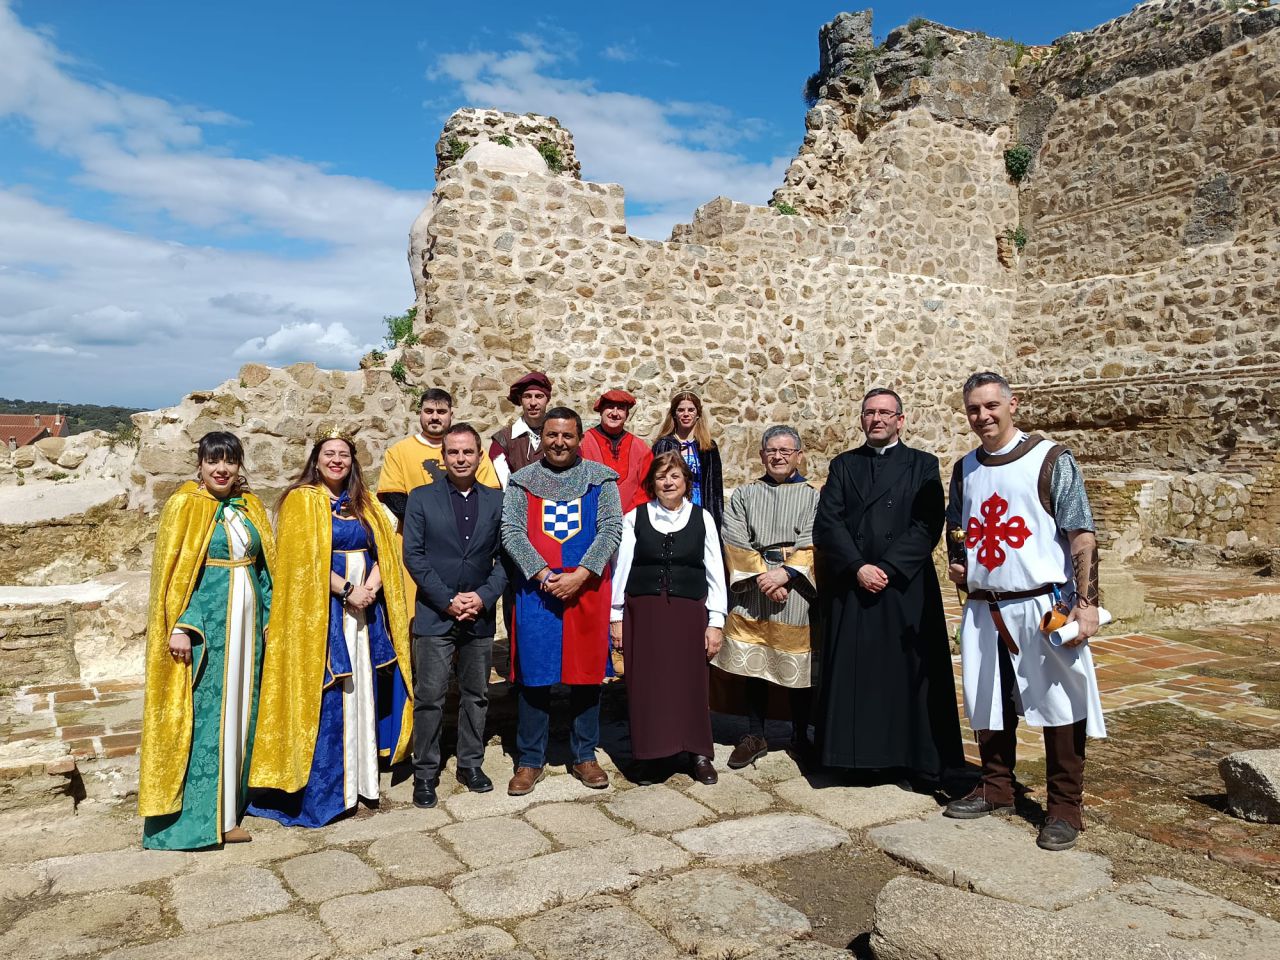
[(881, 451)]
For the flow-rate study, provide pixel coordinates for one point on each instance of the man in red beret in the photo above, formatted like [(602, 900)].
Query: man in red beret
[(610, 443), (520, 444)]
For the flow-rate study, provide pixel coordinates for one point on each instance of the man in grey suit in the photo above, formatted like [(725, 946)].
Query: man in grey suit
[(452, 542)]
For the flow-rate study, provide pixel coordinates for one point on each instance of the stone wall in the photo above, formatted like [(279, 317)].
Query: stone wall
[(1147, 333), (36, 646)]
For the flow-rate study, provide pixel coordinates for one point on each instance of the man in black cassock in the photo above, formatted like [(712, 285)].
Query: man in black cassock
[(887, 699)]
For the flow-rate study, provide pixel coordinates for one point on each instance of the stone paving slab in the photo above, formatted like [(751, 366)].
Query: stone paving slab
[(27, 835), (518, 890), (19, 883), (223, 896), (274, 938), (575, 824), (483, 843), (267, 847), (731, 795), (770, 836), (383, 823), (1179, 914), (115, 870), (80, 926), (474, 806), (915, 918), (856, 808), (599, 929), (774, 767), (413, 857), (718, 915), (658, 809), (364, 921), (997, 858), (801, 950), (472, 944), (316, 877)]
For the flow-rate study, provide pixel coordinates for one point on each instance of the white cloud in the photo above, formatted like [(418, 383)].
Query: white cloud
[(163, 318), (669, 156), (620, 52), (332, 346)]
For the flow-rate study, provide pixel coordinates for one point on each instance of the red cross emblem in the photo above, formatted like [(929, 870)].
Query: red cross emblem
[(986, 536)]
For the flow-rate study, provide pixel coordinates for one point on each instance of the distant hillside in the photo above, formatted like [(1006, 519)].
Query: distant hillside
[(81, 417)]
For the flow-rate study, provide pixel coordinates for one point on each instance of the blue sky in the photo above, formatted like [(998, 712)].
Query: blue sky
[(186, 187)]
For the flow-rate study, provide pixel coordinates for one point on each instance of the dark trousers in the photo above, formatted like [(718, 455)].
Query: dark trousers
[(757, 698), (432, 667), (533, 723), (1064, 756)]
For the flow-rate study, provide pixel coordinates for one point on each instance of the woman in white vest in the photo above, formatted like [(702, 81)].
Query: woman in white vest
[(1021, 538)]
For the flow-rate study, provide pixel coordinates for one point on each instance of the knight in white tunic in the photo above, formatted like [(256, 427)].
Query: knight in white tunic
[(1021, 539)]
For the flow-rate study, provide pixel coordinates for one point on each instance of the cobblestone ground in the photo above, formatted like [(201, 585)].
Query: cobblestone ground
[(770, 863)]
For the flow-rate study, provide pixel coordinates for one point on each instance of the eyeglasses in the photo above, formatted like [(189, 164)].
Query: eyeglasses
[(880, 414), (784, 452)]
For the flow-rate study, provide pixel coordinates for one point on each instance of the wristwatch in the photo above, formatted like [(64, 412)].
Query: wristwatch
[(346, 589)]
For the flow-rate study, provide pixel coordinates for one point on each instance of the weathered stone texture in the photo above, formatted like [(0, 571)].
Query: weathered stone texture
[(1252, 778)]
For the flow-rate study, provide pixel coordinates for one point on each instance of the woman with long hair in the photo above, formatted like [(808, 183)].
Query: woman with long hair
[(210, 592), (684, 430), (336, 681), (669, 603)]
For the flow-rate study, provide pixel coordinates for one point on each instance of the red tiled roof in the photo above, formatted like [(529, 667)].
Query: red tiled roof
[(20, 429)]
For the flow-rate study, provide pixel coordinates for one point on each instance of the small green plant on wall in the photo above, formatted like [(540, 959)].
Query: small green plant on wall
[(503, 140), (551, 154), (783, 207), (400, 329), (456, 148), (1018, 236), (1017, 160)]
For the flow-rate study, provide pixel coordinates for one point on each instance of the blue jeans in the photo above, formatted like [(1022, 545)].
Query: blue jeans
[(533, 723)]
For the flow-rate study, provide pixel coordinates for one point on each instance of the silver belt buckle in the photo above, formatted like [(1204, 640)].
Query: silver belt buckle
[(774, 556)]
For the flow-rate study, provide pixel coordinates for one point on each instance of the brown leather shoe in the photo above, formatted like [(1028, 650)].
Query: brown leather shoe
[(749, 749), (237, 835), (591, 774), (704, 771), (525, 779)]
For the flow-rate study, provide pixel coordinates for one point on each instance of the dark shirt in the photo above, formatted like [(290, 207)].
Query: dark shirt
[(466, 511)]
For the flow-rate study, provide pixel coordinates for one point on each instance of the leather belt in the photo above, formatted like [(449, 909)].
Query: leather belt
[(993, 598)]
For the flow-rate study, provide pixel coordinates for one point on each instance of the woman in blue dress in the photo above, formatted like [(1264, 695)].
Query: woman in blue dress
[(684, 431), (336, 679)]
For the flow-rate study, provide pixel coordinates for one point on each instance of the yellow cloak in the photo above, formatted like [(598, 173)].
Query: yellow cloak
[(293, 668), (186, 526)]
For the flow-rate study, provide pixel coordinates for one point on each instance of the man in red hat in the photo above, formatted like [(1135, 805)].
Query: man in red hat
[(610, 443), (520, 444)]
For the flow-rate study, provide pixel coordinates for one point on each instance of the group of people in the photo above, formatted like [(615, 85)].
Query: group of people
[(270, 669)]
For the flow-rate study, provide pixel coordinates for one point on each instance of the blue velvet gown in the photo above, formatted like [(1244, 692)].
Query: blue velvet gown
[(360, 706)]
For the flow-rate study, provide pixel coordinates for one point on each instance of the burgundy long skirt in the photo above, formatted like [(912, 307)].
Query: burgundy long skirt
[(663, 647)]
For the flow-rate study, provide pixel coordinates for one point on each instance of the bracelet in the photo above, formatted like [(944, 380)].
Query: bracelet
[(347, 588)]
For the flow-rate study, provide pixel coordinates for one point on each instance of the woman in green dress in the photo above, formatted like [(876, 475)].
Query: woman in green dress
[(210, 591)]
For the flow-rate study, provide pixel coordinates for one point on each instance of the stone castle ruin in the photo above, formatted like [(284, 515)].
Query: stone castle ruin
[(1096, 218)]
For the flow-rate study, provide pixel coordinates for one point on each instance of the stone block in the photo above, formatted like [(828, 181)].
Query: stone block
[(482, 843), (316, 877), (81, 926), (473, 806), (718, 915), (915, 918), (574, 824), (286, 937), (996, 858), (599, 929), (413, 857), (384, 824), (1180, 915), (115, 870), (770, 836), (518, 890), (364, 921), (658, 809), (471, 944), (731, 795), (210, 898), (856, 808), (1253, 784)]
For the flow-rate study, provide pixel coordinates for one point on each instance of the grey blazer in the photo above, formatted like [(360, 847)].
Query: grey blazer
[(442, 567)]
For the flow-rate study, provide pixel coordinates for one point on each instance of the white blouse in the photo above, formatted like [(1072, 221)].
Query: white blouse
[(669, 521)]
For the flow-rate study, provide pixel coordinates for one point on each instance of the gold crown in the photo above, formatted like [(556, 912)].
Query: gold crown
[(334, 433)]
